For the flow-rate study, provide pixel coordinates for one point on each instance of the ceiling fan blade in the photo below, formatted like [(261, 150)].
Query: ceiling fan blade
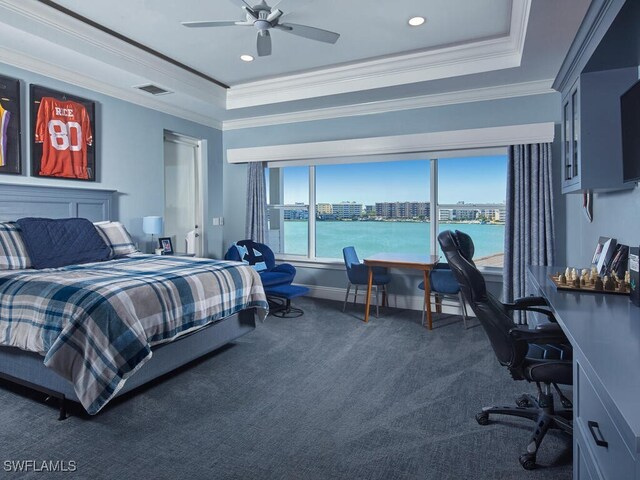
[(311, 33), (210, 24), (264, 43), (251, 12), (274, 15)]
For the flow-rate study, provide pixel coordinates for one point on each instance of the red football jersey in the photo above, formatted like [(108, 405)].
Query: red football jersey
[(64, 129)]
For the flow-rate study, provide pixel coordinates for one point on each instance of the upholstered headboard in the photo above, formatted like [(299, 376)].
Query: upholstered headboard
[(17, 201)]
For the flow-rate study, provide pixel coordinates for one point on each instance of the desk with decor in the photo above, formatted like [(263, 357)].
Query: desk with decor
[(604, 331), (402, 260)]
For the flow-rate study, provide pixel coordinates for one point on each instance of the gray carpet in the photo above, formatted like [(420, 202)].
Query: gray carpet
[(323, 396)]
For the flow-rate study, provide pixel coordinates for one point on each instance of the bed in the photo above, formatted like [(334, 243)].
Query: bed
[(191, 307)]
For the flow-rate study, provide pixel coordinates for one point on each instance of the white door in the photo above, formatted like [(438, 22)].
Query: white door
[(182, 195)]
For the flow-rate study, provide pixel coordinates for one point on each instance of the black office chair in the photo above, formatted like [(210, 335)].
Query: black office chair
[(541, 355)]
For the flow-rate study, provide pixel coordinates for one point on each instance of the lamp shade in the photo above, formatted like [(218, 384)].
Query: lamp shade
[(152, 225)]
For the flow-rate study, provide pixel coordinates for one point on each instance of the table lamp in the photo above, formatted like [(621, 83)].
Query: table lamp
[(152, 225)]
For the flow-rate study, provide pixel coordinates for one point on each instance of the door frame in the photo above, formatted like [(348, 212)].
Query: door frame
[(202, 174)]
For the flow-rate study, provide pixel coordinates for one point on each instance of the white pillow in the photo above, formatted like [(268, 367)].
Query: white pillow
[(13, 252), (116, 237)]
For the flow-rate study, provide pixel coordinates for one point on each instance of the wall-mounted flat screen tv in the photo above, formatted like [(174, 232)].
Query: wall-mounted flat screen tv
[(630, 110)]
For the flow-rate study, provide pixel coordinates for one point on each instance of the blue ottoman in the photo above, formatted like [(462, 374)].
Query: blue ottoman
[(286, 293)]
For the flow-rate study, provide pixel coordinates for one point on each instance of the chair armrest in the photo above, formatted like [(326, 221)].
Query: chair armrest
[(284, 268), (549, 333), (530, 304)]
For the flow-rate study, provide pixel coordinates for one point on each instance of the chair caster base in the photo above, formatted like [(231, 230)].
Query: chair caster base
[(482, 418), (524, 401), (528, 461)]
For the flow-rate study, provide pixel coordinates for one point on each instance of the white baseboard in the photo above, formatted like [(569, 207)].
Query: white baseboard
[(405, 302)]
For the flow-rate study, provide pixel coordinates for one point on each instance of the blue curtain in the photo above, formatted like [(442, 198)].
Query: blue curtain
[(529, 236), (256, 226)]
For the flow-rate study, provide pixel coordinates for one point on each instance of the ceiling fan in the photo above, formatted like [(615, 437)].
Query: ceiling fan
[(264, 18)]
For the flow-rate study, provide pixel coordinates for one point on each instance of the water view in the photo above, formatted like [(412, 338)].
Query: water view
[(375, 237)]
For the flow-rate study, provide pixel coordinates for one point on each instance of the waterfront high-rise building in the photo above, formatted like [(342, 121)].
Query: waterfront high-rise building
[(344, 210), (403, 209), (494, 212), (324, 209)]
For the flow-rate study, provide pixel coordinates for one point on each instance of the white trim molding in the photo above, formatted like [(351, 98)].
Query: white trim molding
[(46, 41), (537, 87), (397, 144), (451, 61)]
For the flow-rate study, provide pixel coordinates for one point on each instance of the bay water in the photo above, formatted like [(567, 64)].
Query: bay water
[(375, 237)]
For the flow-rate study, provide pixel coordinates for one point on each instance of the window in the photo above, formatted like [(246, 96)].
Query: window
[(393, 206), (288, 210), (471, 198), (375, 207)]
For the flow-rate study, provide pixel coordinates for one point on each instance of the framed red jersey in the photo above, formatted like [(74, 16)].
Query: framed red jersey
[(63, 139)]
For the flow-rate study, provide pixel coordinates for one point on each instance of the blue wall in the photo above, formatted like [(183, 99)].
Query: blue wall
[(129, 155), (511, 111)]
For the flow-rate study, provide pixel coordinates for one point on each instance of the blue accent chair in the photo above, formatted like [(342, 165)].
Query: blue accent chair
[(358, 274), (444, 284), (274, 275)]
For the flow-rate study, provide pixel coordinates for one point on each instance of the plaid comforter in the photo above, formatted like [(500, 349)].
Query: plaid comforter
[(95, 323)]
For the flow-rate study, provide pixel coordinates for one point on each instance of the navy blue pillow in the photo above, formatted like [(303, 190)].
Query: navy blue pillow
[(58, 242)]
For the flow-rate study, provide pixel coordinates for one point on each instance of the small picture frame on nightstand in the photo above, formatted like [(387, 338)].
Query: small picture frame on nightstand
[(166, 245)]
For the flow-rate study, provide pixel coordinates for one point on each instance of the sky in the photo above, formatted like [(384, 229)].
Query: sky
[(469, 179)]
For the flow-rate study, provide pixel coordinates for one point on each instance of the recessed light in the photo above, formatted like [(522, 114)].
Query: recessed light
[(416, 21), (246, 58)]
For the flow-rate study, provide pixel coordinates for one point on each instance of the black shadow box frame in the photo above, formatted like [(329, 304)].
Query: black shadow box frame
[(12, 129), (74, 136)]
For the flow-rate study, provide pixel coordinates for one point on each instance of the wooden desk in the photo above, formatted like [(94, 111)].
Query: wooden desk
[(402, 260)]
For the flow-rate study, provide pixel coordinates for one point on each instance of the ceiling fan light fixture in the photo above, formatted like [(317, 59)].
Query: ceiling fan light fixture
[(246, 58), (416, 21), (262, 25)]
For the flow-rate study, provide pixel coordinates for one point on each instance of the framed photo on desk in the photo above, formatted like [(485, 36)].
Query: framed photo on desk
[(166, 245), (602, 255)]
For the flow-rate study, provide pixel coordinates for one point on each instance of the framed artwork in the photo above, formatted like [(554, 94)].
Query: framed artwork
[(63, 141), (603, 253), (10, 132), (166, 245)]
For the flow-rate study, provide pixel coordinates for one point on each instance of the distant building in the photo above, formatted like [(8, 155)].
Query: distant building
[(299, 211), (445, 214), (403, 209), (492, 212), (370, 209), (324, 209), (347, 210), (500, 215)]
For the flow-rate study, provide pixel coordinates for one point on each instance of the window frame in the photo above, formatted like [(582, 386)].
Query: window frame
[(311, 261)]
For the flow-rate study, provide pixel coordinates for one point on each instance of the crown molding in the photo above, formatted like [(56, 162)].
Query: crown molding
[(456, 60), (538, 87), (397, 144), (56, 30), (37, 65), (599, 17)]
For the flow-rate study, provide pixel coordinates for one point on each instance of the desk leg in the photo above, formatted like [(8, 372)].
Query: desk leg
[(368, 302), (427, 298)]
